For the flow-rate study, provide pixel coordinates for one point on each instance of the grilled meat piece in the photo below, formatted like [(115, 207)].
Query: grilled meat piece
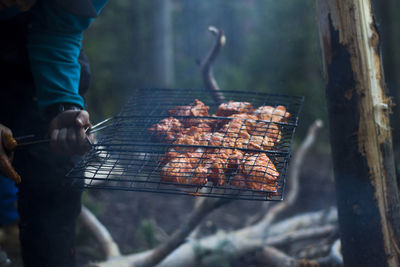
[(198, 129), (190, 140), (249, 120), (181, 171), (274, 114), (225, 110), (217, 161), (195, 109), (177, 170), (168, 130), (235, 128), (259, 166), (260, 143), (239, 181), (235, 157), (268, 129), (256, 128), (258, 172)]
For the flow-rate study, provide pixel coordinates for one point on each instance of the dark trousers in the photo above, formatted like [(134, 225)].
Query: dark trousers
[(47, 203), (48, 206)]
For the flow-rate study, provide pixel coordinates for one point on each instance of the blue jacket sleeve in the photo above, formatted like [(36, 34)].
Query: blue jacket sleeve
[(54, 43)]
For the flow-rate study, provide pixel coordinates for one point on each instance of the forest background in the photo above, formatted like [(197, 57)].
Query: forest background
[(272, 47)]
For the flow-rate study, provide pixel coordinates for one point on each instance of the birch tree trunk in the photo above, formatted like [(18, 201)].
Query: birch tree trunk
[(367, 191)]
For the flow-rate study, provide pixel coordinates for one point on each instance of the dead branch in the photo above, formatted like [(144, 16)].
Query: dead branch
[(335, 257), (310, 233), (270, 256), (336, 254), (89, 221), (178, 237), (244, 240), (206, 65), (294, 174)]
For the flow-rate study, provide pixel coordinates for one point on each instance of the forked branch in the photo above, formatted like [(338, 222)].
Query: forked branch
[(206, 65)]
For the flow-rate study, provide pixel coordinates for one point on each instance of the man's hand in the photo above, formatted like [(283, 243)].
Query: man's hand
[(7, 145), (67, 132)]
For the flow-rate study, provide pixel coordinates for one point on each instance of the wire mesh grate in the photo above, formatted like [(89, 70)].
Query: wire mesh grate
[(179, 141)]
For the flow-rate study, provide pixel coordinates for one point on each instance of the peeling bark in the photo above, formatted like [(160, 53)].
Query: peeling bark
[(367, 191)]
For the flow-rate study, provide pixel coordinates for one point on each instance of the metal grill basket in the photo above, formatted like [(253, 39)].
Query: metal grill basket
[(128, 155)]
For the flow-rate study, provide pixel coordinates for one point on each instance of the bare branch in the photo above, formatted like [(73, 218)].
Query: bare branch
[(293, 178), (179, 236), (246, 239), (273, 257), (206, 65), (336, 252), (311, 233), (97, 229)]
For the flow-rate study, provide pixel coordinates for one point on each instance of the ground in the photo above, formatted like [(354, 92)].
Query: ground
[(139, 221)]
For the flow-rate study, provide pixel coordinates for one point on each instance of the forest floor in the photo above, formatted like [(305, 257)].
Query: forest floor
[(139, 221)]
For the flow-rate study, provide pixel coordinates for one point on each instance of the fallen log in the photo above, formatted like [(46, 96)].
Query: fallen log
[(297, 227)]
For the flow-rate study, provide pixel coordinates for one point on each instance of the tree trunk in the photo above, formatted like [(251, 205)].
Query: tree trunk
[(162, 52), (389, 26), (367, 192)]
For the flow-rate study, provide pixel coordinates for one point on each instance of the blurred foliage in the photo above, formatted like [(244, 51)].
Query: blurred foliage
[(146, 235), (272, 46), (96, 207), (219, 257)]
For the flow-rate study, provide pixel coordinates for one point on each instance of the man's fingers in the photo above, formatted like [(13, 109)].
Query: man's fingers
[(54, 141), (9, 143), (82, 119), (69, 141), (62, 142), (70, 118), (68, 134), (7, 169), (72, 137)]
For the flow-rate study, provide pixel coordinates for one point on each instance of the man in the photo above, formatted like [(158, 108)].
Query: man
[(41, 75)]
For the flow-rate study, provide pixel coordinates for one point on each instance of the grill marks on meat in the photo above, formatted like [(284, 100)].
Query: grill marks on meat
[(212, 150)]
